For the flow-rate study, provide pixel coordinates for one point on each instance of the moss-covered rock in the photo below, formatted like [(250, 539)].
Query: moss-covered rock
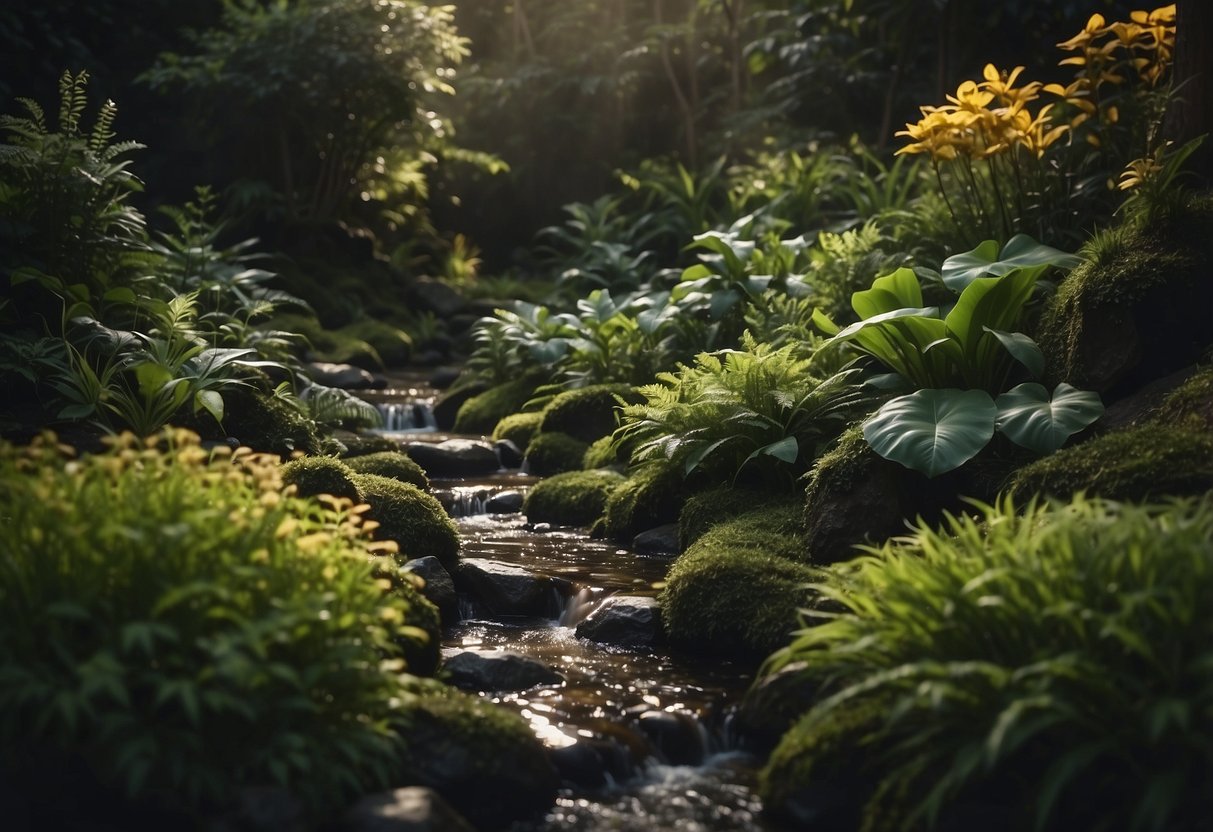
[(411, 517), (394, 346), (393, 464), (261, 422), (481, 413), (709, 508), (1190, 405), (361, 444), (519, 428), (574, 498), (314, 475), (554, 453), (1141, 463), (602, 453), (736, 591), (421, 655), (1139, 309), (651, 497), (587, 413), (484, 760), (446, 407)]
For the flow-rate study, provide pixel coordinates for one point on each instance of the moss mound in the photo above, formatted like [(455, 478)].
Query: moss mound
[(1141, 463), (482, 412), (393, 464), (411, 517), (313, 475), (588, 413), (1190, 405), (574, 498), (602, 453), (361, 444), (519, 428), (264, 423), (652, 497), (554, 453), (484, 760), (421, 655), (1138, 309), (736, 591), (710, 508)]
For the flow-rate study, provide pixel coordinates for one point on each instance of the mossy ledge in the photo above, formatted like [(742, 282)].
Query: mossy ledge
[(315, 475), (710, 508), (412, 518), (392, 464), (574, 498), (554, 453), (482, 412), (652, 497), (519, 428), (588, 413)]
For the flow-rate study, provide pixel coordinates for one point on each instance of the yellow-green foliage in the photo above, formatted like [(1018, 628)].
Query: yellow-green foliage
[(574, 498), (703, 511), (315, 475), (481, 413), (1144, 462), (411, 517), (170, 619), (392, 464), (737, 590), (602, 453), (588, 413), (1057, 661), (554, 453), (519, 428), (651, 497)]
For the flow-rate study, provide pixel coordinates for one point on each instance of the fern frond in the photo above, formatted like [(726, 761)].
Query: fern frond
[(332, 406)]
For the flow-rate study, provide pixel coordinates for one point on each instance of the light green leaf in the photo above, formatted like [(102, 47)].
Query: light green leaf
[(893, 291), (1031, 418), (932, 431), (1021, 252), (211, 401), (1022, 348)]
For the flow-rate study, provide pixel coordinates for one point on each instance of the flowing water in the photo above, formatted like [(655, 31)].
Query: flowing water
[(647, 731)]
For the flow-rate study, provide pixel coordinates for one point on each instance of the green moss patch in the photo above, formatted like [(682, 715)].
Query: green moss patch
[(519, 428), (736, 591), (361, 444), (481, 413), (1141, 463), (393, 464), (1190, 405), (394, 346), (602, 453), (574, 498), (412, 518), (703, 511), (588, 413), (263, 423), (315, 475), (554, 453), (652, 497)]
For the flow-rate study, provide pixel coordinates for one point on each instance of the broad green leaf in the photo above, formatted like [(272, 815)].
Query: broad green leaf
[(1021, 252), (723, 301), (211, 401), (1031, 418), (822, 321), (785, 450), (1022, 348), (932, 431), (994, 302), (893, 291), (695, 459), (152, 377)]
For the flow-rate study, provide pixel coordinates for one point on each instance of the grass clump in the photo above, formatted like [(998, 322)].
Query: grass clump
[(1051, 668), (736, 591), (1140, 463), (588, 413), (651, 497), (574, 498), (316, 475), (411, 517), (482, 412), (519, 428), (554, 453), (160, 629), (392, 464)]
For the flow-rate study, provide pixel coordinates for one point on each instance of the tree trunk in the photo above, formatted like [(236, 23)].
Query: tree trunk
[(1191, 112)]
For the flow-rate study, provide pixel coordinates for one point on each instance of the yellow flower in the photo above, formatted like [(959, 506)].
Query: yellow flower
[(1095, 26)]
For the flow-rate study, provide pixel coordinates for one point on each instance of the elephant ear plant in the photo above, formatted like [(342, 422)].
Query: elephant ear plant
[(961, 361)]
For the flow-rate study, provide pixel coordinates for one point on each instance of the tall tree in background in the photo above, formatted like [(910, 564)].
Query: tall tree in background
[(1191, 113)]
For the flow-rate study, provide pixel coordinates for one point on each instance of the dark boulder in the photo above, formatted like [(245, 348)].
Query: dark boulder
[(501, 671), (454, 457), (624, 620)]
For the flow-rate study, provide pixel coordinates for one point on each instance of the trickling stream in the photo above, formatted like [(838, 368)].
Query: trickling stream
[(642, 736)]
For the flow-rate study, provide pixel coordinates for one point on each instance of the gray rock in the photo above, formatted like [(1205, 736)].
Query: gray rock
[(443, 377), (624, 620), (508, 453), (345, 376), (660, 542), (435, 296), (439, 589), (506, 589), (679, 737), (411, 809), (454, 457), (505, 502), (474, 671)]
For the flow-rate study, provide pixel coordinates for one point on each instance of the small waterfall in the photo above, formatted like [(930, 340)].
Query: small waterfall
[(575, 607), (413, 417), (465, 501)]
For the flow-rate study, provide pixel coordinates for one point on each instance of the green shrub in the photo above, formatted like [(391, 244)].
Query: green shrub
[(519, 428), (1054, 667), (1144, 462), (704, 511), (587, 413), (315, 475), (737, 590), (481, 413), (602, 453), (651, 497), (261, 422), (393, 345), (392, 464), (412, 518), (574, 498), (554, 453), (168, 618)]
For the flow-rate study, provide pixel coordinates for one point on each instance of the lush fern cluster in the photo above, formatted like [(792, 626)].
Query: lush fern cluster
[(174, 621), (1053, 668)]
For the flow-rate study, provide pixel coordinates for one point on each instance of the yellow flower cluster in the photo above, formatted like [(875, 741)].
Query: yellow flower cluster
[(984, 119)]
